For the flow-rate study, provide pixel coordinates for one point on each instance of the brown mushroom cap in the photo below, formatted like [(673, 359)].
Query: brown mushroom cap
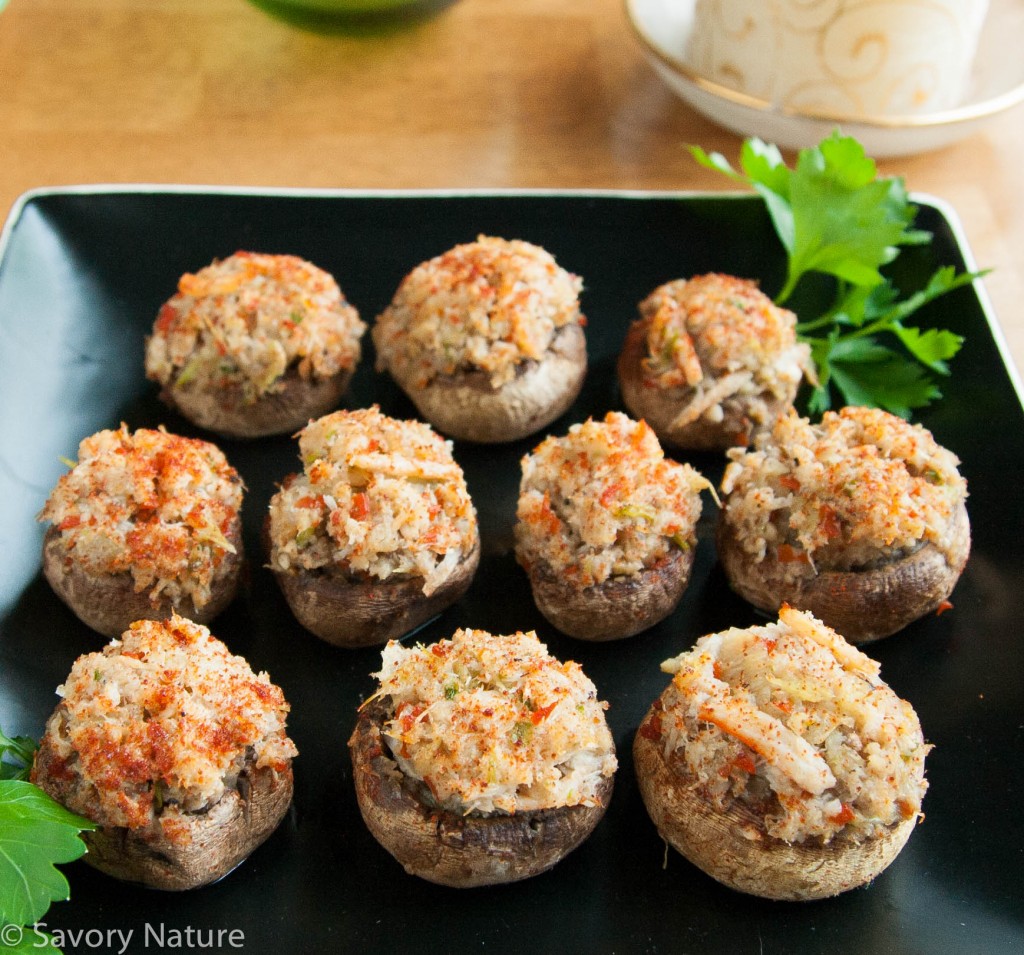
[(467, 407), (449, 848), (224, 411), (732, 846), (359, 612), (659, 407), (109, 602), (863, 605), (621, 606), (215, 841)]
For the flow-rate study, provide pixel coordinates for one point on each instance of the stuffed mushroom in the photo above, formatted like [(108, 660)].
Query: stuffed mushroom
[(780, 763), (481, 759), (487, 340), (606, 528), (711, 362), (860, 519), (377, 534), (146, 523), (175, 749), (254, 345)]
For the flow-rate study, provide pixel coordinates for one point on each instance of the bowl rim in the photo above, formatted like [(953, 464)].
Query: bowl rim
[(966, 112)]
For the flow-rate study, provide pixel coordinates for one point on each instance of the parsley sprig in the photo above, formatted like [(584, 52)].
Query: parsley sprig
[(16, 754), (836, 217), (36, 834)]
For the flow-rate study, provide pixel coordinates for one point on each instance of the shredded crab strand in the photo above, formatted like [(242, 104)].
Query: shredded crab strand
[(836, 748)]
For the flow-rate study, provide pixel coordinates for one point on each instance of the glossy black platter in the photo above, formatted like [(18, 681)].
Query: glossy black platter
[(82, 275)]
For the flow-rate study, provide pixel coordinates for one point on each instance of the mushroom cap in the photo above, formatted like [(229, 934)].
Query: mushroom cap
[(360, 612), (732, 846), (617, 608), (467, 407), (863, 605), (283, 411), (450, 848), (109, 602)]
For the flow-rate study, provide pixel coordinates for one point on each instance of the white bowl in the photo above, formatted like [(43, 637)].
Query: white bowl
[(997, 83)]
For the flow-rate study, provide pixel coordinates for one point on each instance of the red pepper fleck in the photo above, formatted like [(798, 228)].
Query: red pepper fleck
[(943, 607), (608, 494), (551, 521), (408, 716), (829, 521), (360, 506), (745, 762), (651, 729), (165, 318), (430, 537), (790, 555), (542, 712), (907, 810), (844, 816)]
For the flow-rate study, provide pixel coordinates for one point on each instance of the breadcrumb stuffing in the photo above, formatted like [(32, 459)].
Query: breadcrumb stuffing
[(163, 717), (246, 320), (495, 723), (377, 496), (719, 338), (151, 504), (861, 486), (488, 306), (604, 501), (794, 722)]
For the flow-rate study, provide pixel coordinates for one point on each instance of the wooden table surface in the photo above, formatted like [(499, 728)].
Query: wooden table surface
[(489, 93)]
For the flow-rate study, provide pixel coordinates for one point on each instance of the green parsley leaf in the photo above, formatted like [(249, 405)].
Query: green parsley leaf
[(835, 217), (846, 222), (930, 347), (16, 756), (831, 213), (32, 940), (766, 171), (875, 375), (36, 833)]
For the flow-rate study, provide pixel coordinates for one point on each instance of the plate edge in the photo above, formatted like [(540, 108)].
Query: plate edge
[(953, 221)]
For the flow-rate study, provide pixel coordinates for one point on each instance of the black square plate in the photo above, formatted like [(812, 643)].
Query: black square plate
[(82, 274)]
